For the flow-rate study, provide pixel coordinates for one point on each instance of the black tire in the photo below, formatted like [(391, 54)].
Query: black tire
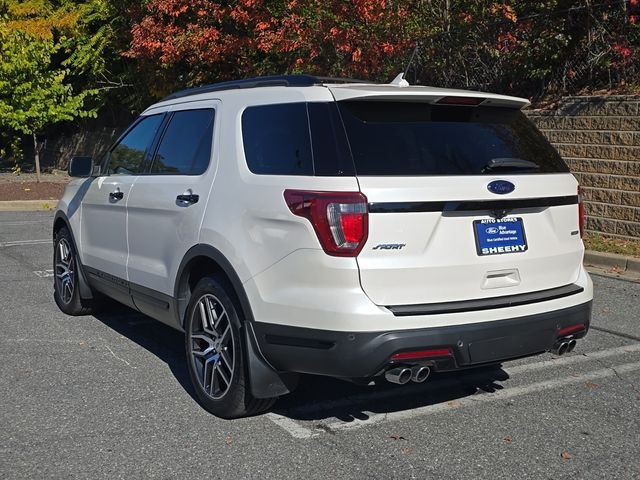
[(65, 281), (222, 338)]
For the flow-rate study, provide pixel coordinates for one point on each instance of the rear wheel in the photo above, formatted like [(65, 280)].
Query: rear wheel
[(215, 353), (65, 268)]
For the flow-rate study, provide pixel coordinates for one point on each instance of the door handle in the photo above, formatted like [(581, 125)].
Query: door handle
[(192, 198), (117, 195)]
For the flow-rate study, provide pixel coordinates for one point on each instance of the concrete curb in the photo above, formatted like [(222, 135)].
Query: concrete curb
[(612, 261), (27, 205)]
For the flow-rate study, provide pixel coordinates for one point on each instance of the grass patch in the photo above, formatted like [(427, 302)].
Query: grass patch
[(600, 243)]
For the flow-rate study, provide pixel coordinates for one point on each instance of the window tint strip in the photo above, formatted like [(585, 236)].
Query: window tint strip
[(454, 206)]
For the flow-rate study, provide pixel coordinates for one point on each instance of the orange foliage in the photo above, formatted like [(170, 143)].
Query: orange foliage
[(332, 37)]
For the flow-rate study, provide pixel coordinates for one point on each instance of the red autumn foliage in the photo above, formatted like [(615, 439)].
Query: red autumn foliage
[(215, 40)]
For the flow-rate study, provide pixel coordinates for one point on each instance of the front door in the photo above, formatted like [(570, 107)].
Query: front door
[(104, 208)]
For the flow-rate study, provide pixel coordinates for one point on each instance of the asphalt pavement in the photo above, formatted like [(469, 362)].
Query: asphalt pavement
[(108, 396)]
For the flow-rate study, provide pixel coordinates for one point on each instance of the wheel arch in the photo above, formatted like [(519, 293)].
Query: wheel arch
[(60, 220), (202, 260)]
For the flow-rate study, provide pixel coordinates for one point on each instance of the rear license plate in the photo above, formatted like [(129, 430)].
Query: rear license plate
[(495, 237)]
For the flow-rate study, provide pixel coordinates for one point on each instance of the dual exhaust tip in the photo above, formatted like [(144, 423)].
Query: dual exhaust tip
[(564, 346), (403, 375)]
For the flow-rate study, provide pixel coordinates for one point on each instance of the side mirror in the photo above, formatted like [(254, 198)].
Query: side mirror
[(81, 167)]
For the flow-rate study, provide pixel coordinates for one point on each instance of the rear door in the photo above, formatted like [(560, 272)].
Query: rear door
[(466, 202)]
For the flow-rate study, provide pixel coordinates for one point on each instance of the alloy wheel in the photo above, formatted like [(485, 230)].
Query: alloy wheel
[(65, 271), (212, 346)]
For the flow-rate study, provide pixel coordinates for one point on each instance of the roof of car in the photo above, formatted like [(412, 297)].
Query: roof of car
[(345, 88), (256, 82)]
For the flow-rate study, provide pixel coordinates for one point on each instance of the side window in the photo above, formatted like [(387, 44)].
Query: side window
[(276, 139), (331, 154), (127, 158), (185, 148)]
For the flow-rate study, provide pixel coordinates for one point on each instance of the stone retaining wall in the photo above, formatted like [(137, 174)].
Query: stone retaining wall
[(599, 137)]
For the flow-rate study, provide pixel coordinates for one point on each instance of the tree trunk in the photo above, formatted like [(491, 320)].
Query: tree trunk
[(36, 152)]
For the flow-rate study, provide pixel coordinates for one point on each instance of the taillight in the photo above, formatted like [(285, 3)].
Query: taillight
[(580, 213), (339, 218)]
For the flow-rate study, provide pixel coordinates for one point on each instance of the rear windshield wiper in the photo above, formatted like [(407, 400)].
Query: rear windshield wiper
[(515, 163)]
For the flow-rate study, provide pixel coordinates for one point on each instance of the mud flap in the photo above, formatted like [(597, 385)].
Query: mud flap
[(264, 381)]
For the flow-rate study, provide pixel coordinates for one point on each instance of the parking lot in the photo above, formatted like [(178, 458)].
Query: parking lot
[(109, 397)]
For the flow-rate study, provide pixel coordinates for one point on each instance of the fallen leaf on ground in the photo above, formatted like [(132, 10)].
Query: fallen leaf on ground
[(565, 455), (452, 403), (507, 439), (228, 440), (591, 384)]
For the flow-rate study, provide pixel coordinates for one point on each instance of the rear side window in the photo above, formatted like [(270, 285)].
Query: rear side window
[(331, 156), (276, 139), (185, 148), (415, 139), (127, 157)]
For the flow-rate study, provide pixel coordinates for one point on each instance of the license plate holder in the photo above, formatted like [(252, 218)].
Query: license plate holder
[(499, 236)]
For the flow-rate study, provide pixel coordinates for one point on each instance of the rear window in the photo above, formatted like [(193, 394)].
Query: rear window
[(414, 139)]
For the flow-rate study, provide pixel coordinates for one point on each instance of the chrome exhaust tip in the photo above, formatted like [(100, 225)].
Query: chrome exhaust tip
[(420, 374), (399, 375), (560, 348), (571, 346)]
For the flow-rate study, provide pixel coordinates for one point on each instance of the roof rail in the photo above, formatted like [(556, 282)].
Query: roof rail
[(269, 81)]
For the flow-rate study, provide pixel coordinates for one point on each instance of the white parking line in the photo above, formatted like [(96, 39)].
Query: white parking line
[(572, 359), (17, 243), (485, 397), (297, 430), (24, 222), (292, 427), (43, 273)]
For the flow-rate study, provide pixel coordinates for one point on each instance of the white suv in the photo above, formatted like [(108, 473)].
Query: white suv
[(301, 225)]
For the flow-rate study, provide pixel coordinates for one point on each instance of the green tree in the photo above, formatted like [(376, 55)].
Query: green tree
[(35, 94)]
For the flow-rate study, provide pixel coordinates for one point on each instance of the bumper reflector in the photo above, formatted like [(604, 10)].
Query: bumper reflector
[(437, 352), (571, 329)]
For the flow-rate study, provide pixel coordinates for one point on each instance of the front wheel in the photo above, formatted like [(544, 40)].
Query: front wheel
[(65, 268), (215, 353)]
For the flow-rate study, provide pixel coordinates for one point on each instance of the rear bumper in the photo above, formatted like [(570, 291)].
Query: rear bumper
[(366, 354)]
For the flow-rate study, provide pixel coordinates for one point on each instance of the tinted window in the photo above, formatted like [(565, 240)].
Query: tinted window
[(331, 154), (127, 158), (185, 147), (395, 138), (276, 139)]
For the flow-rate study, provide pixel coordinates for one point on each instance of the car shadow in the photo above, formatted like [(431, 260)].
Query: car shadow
[(323, 398), (164, 342), (316, 397)]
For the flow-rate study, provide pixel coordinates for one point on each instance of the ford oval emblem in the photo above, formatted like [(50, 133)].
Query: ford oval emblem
[(501, 187)]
